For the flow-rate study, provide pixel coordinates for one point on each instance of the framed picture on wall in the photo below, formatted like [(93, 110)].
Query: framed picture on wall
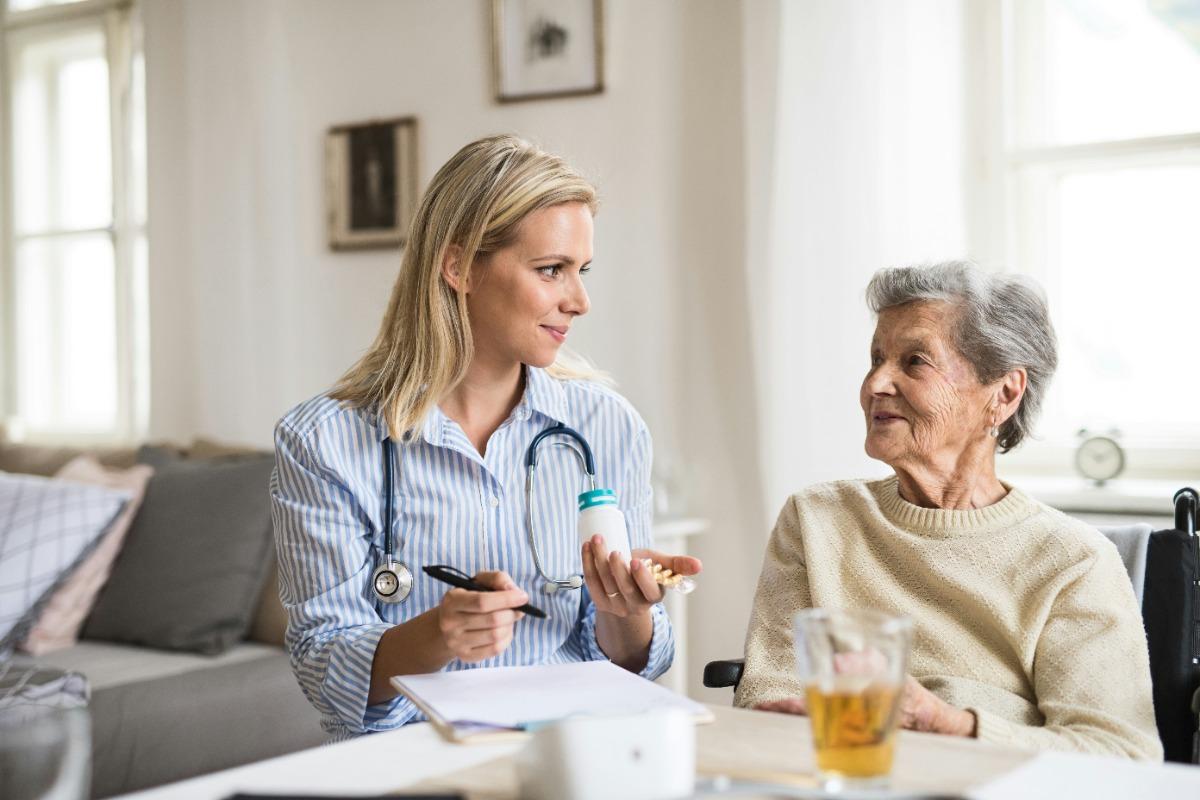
[(370, 183), (547, 48)]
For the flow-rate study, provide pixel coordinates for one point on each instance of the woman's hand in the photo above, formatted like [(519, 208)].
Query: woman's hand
[(922, 710), (627, 590), (479, 625), (788, 705)]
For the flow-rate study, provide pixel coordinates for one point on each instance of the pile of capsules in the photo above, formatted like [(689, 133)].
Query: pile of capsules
[(668, 579)]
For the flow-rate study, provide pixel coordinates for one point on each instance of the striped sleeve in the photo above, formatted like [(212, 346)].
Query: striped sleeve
[(638, 510), (322, 537)]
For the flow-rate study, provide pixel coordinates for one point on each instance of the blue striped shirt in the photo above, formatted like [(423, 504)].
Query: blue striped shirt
[(451, 506)]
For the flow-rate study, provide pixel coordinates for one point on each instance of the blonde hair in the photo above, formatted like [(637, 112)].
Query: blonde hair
[(476, 202)]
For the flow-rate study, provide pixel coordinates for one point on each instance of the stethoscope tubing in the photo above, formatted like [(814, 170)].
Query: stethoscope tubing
[(559, 429), (588, 462), (586, 458), (388, 500)]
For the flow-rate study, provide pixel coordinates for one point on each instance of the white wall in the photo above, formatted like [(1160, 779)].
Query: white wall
[(254, 313)]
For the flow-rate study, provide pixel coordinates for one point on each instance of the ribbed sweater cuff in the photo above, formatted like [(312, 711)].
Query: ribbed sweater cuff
[(995, 729)]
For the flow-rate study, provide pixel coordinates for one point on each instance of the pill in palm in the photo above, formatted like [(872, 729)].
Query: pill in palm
[(667, 578)]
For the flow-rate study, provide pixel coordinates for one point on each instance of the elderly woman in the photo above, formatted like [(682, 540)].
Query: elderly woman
[(1026, 630)]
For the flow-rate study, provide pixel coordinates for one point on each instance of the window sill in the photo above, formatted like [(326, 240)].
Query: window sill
[(1121, 496)]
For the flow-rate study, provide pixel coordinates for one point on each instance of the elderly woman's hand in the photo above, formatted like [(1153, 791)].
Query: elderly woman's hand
[(922, 710), (788, 705)]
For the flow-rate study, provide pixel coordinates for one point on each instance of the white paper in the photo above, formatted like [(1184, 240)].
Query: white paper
[(1053, 776), (516, 696)]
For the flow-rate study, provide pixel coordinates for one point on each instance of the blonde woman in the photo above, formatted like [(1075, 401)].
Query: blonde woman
[(434, 421)]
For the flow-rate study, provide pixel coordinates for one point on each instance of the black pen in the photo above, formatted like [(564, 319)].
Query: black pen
[(456, 577)]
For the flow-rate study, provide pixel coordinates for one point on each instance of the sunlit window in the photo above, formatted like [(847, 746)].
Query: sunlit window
[(74, 263), (24, 5), (1102, 168)]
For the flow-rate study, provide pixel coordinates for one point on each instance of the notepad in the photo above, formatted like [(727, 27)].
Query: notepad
[(503, 702)]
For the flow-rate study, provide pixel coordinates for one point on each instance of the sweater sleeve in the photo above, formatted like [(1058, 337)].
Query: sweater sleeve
[(1091, 672), (770, 671)]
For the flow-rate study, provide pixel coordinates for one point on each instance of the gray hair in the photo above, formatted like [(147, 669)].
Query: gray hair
[(1003, 324)]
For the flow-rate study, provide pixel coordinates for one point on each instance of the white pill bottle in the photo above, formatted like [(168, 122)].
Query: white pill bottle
[(599, 514)]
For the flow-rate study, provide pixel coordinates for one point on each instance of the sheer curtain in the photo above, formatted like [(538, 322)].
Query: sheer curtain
[(852, 133), (856, 160)]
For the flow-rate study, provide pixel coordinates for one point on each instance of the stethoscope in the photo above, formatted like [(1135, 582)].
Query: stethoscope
[(392, 580)]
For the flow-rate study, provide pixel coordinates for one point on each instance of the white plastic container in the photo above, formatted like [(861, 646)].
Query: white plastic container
[(599, 514), (649, 756)]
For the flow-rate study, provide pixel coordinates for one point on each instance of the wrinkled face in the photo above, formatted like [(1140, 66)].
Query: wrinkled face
[(523, 298), (922, 401)]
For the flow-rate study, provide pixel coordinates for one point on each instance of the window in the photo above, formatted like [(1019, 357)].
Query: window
[(1096, 186), (73, 263)]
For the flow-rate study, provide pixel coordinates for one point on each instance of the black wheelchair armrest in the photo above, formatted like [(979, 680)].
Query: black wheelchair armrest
[(720, 674), (1195, 718)]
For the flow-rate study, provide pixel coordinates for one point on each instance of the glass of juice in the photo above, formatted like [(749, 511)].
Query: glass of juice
[(853, 665)]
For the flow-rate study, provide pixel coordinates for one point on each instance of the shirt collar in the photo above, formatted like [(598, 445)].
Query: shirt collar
[(544, 395), (432, 429)]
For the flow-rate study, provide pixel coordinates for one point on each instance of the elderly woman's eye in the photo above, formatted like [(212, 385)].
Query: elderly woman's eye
[(876, 361), (916, 360)]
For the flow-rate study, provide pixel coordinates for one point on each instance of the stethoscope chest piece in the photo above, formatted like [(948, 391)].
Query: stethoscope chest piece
[(392, 581)]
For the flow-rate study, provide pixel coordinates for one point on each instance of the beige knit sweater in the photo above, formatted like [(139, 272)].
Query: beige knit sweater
[(1021, 614)]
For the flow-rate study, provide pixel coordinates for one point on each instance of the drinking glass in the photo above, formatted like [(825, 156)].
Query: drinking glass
[(853, 666), (45, 753)]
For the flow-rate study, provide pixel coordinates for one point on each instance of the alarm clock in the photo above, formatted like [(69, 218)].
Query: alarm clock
[(1099, 458)]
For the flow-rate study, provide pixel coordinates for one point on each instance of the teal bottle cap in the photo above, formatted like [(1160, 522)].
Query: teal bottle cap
[(597, 497)]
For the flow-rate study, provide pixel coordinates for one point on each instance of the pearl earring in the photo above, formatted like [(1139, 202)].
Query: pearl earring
[(993, 431)]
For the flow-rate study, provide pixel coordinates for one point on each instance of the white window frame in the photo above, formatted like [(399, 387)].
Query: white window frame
[(1003, 236), (121, 24)]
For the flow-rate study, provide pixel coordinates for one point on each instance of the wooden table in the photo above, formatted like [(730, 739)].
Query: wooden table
[(743, 744)]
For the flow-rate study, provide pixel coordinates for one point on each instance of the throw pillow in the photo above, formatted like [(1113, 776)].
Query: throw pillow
[(47, 527), (195, 558), (62, 617)]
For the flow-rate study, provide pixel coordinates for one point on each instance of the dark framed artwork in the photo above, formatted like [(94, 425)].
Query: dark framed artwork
[(547, 48), (371, 183)]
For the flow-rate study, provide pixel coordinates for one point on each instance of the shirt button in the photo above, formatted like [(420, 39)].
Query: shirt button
[(494, 502)]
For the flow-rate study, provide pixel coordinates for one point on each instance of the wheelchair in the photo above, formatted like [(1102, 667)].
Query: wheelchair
[(1171, 616)]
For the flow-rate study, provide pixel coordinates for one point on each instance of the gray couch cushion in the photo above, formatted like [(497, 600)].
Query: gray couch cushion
[(194, 563), (107, 664), (218, 713)]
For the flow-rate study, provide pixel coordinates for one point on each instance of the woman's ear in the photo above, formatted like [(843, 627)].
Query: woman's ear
[(451, 263), (1010, 392)]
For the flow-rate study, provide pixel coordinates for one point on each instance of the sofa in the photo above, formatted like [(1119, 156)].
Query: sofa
[(164, 714)]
